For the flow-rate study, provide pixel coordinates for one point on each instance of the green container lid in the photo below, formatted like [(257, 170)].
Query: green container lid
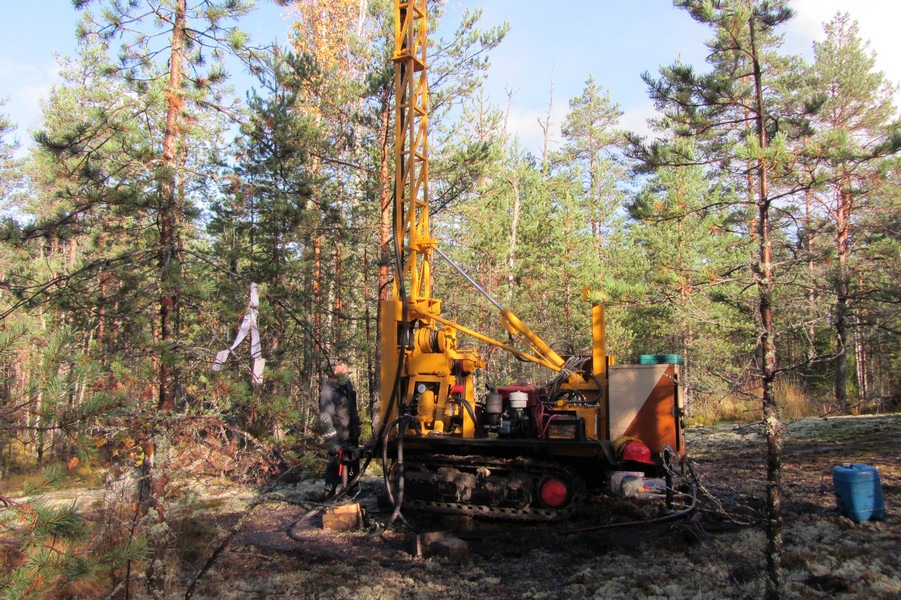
[(661, 359)]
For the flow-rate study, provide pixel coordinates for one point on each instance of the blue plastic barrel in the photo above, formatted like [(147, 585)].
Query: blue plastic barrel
[(858, 492)]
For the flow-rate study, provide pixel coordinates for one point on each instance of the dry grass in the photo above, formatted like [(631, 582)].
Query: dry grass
[(793, 398)]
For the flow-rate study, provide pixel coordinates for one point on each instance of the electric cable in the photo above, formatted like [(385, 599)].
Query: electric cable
[(405, 325), (385, 474)]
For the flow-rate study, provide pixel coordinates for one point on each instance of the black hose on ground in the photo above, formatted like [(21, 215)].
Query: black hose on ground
[(399, 500), (385, 474), (396, 501)]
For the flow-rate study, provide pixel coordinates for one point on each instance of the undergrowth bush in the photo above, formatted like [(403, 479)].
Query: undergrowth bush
[(792, 396)]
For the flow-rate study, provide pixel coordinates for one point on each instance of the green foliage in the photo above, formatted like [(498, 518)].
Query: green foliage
[(847, 157), (9, 166), (56, 554), (458, 64), (63, 523), (44, 481), (679, 244), (294, 204), (731, 115), (56, 562)]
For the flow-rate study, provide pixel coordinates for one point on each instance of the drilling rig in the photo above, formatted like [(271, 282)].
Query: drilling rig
[(520, 451)]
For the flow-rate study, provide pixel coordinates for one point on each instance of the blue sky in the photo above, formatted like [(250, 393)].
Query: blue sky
[(616, 41), (555, 44)]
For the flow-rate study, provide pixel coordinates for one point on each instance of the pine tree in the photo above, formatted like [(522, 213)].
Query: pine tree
[(591, 139), (729, 111), (8, 162), (261, 229), (851, 113), (173, 86), (676, 249)]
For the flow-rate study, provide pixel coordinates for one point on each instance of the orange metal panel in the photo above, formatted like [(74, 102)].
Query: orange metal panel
[(644, 404)]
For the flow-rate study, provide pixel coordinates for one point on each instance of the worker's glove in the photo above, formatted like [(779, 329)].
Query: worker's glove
[(330, 441)]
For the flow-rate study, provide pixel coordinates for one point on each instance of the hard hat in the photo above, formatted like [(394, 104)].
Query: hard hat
[(621, 441), (636, 451)]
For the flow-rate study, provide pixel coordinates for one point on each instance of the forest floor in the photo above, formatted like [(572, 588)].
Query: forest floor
[(716, 552), (281, 549)]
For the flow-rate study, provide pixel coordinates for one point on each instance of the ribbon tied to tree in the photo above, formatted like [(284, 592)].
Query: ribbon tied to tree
[(248, 325)]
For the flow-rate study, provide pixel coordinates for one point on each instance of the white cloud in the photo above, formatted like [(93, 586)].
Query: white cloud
[(25, 85), (635, 119), (524, 123), (877, 19)]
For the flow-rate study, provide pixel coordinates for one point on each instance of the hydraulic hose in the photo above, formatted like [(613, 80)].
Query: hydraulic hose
[(475, 421), (385, 475), (396, 501), (399, 500), (401, 420)]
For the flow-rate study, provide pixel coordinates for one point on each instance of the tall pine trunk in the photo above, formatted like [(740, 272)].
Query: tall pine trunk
[(155, 467), (170, 264), (764, 277), (842, 298)]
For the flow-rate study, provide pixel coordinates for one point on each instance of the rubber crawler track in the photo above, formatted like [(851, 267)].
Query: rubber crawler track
[(536, 469)]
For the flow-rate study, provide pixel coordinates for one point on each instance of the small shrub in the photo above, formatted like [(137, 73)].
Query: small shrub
[(731, 408), (793, 399)]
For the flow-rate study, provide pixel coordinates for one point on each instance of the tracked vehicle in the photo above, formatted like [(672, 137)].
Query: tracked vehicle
[(521, 451)]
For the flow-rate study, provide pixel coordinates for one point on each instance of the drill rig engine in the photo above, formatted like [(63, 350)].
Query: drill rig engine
[(520, 451)]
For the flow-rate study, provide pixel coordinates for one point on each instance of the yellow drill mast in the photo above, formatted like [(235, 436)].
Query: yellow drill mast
[(422, 371), (411, 219)]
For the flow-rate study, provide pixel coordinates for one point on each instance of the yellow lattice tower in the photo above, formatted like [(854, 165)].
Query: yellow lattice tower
[(411, 224)]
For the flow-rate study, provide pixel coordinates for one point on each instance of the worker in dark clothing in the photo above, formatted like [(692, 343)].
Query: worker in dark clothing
[(338, 412)]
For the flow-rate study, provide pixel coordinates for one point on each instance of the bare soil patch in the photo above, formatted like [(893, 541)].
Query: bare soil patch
[(717, 552)]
